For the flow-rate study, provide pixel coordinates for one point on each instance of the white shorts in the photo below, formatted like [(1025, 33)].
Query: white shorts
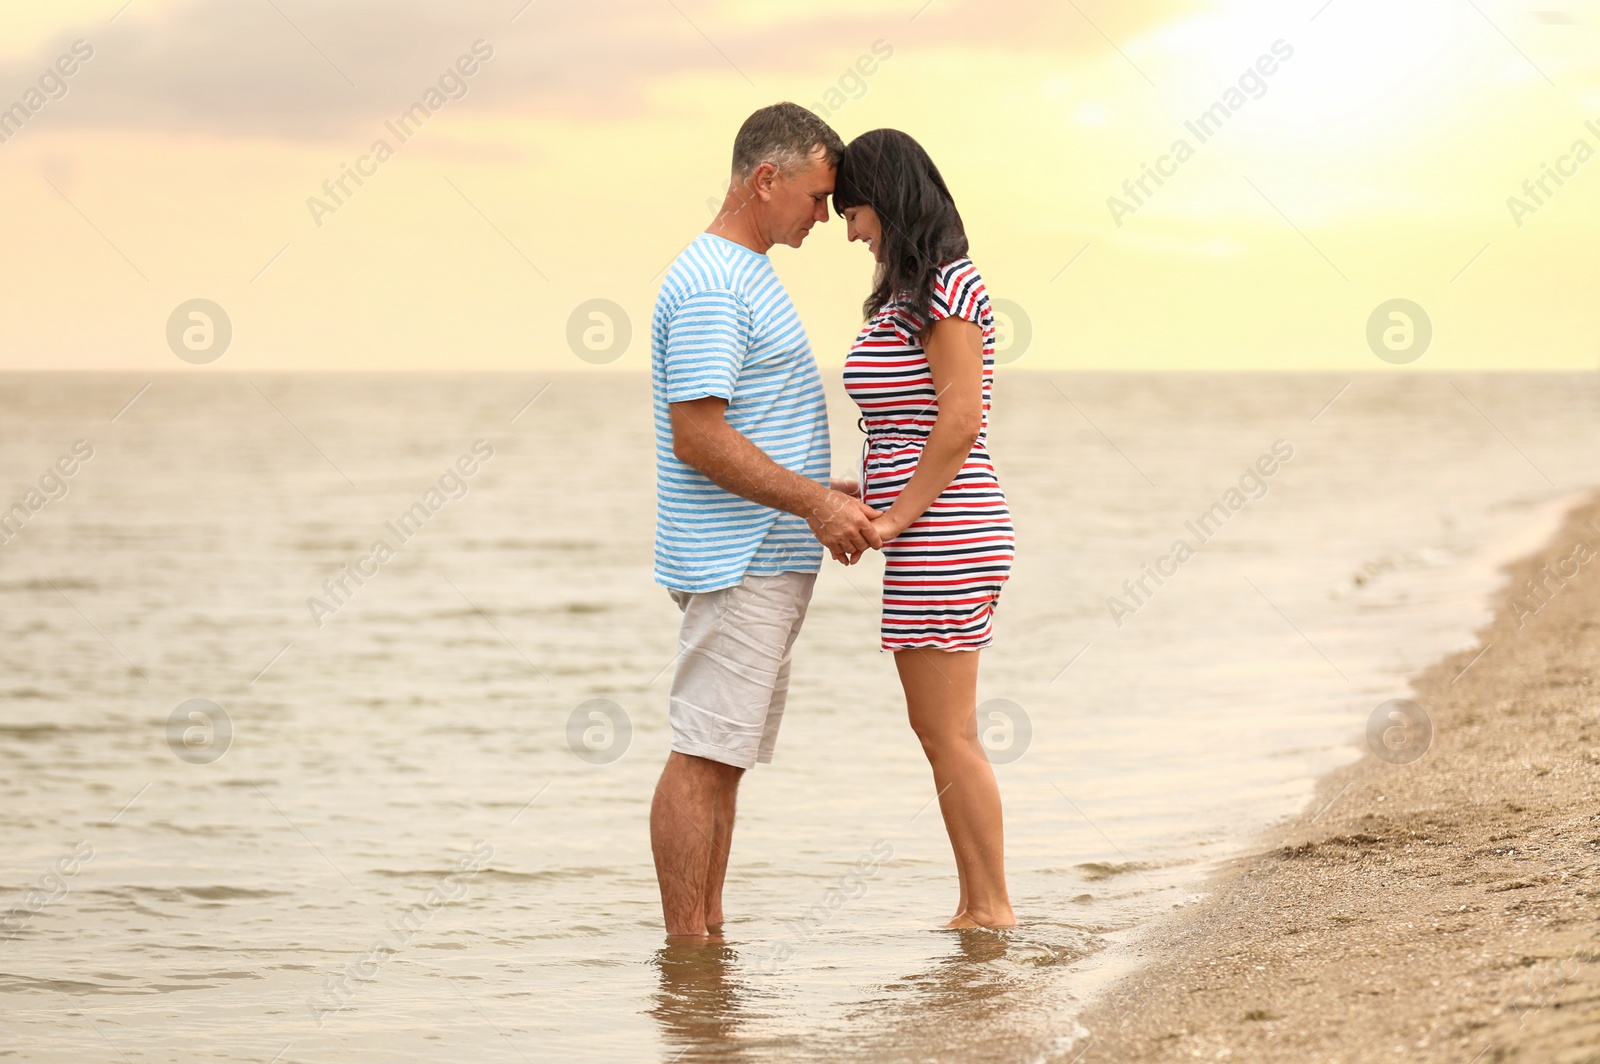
[(732, 680)]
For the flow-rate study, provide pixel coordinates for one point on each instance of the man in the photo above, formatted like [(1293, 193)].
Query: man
[(742, 488)]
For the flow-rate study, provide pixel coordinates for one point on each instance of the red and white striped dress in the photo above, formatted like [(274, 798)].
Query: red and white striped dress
[(943, 574)]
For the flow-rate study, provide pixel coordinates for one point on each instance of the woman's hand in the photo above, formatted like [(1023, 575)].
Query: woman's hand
[(889, 525), (845, 486)]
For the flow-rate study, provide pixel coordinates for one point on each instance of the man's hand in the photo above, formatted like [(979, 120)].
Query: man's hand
[(843, 524)]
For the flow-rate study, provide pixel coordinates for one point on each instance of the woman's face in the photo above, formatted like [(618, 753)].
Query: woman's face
[(861, 223)]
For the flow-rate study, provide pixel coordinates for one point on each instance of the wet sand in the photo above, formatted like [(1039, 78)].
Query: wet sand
[(1444, 909)]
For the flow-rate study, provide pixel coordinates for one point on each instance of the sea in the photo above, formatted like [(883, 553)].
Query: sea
[(333, 704)]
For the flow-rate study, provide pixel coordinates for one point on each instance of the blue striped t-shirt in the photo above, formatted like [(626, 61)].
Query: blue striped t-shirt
[(724, 326)]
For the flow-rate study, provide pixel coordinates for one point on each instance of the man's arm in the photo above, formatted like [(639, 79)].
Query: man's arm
[(703, 439)]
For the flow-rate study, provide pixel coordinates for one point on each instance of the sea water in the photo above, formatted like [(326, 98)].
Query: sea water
[(333, 706)]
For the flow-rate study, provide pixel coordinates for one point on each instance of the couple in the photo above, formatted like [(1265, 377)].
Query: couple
[(744, 492)]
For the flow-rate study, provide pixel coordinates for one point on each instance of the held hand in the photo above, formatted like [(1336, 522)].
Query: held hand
[(843, 524), (888, 525), (846, 486)]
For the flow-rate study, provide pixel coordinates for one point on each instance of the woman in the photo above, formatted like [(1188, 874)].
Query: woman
[(920, 372)]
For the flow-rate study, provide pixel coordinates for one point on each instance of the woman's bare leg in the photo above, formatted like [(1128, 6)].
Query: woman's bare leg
[(942, 703)]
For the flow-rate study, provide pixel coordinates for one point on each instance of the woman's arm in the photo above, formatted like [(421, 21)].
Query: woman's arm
[(955, 359)]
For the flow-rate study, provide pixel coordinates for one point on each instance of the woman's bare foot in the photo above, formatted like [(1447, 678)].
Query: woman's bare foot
[(974, 918)]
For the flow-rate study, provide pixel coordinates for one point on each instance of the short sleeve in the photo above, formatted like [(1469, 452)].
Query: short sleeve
[(957, 292), (708, 337)]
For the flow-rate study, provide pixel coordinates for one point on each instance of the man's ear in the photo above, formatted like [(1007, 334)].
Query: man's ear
[(762, 180)]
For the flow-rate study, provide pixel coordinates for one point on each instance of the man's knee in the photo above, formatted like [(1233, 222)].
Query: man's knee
[(702, 771)]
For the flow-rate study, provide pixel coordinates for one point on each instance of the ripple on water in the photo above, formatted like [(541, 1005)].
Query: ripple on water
[(1096, 871), (34, 732)]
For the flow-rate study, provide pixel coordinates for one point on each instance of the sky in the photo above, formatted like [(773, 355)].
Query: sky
[(1357, 153)]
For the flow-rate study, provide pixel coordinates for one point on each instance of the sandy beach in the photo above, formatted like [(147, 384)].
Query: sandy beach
[(1442, 909)]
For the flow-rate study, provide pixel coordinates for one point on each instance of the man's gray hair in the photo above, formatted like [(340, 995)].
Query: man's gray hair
[(785, 135)]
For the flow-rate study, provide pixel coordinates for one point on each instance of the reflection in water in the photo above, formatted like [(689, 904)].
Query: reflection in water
[(701, 1004), (981, 1001), (984, 999)]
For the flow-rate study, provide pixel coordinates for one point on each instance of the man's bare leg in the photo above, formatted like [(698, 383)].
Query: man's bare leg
[(721, 845), (691, 826)]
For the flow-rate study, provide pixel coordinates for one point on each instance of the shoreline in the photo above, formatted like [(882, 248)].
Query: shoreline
[(1443, 908)]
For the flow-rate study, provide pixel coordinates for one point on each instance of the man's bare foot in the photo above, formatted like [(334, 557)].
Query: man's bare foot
[(710, 938), (975, 918)]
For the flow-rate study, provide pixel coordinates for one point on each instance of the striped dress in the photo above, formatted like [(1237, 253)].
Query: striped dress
[(943, 574)]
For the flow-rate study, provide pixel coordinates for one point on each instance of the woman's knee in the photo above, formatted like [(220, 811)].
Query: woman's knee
[(945, 736)]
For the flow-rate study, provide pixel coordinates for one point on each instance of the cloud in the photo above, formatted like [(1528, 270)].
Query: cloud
[(291, 69)]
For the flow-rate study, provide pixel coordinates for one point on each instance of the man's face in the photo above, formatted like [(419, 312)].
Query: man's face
[(799, 200)]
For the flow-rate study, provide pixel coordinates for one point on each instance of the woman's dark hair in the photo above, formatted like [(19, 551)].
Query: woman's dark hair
[(888, 171)]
